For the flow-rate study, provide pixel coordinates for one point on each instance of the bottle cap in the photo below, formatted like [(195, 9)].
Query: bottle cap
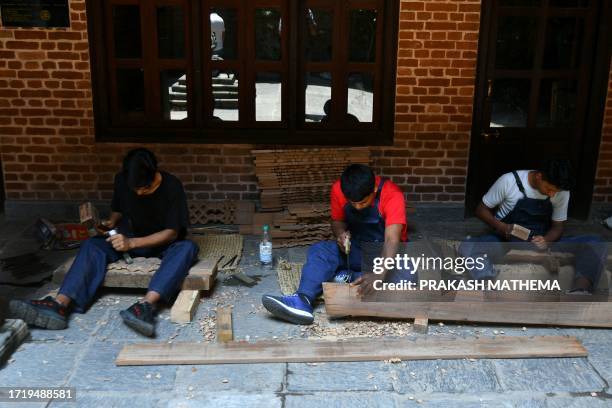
[(266, 227)]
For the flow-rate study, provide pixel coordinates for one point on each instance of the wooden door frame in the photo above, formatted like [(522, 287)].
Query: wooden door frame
[(598, 87)]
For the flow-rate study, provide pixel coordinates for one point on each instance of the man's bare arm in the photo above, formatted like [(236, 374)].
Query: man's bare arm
[(486, 215), (122, 243)]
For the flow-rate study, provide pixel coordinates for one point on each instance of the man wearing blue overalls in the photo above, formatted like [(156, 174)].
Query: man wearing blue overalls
[(364, 208), (536, 200), (149, 210)]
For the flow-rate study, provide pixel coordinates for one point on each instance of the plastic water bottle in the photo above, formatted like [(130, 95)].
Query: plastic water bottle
[(265, 248)]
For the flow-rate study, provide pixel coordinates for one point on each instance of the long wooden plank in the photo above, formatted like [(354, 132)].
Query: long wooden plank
[(185, 306), (341, 300), (302, 351), (201, 276)]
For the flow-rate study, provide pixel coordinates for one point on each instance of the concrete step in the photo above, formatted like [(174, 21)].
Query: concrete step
[(178, 95), (225, 95), (226, 104), (179, 88)]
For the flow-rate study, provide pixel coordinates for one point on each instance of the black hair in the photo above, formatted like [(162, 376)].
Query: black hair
[(139, 168), (327, 107), (357, 182), (559, 173)]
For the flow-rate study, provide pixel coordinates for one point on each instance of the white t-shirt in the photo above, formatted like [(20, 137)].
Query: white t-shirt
[(504, 193)]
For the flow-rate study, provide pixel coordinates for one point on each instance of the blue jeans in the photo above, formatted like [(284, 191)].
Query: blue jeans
[(325, 260), (89, 269), (590, 260)]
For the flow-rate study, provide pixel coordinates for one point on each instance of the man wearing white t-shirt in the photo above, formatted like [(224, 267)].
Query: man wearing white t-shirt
[(536, 200)]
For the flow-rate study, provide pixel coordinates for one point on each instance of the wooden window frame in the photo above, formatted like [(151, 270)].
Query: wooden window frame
[(198, 128)]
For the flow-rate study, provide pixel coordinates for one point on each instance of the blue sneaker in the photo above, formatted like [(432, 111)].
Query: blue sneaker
[(293, 308)]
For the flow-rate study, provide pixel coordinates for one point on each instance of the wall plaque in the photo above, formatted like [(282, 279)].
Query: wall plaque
[(35, 13)]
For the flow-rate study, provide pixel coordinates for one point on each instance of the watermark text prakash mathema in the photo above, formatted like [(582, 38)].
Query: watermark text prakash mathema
[(457, 266)]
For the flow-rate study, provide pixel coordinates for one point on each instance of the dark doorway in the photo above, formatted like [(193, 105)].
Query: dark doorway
[(539, 91)]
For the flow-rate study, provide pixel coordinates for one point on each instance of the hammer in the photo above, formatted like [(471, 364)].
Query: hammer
[(90, 218)]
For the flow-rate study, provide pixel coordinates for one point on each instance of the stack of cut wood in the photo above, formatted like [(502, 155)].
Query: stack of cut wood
[(299, 224), (301, 175), (295, 188)]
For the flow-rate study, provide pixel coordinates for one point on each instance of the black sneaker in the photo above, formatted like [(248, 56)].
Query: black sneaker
[(45, 313), (139, 317)]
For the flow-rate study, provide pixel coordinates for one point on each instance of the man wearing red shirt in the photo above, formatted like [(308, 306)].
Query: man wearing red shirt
[(364, 208)]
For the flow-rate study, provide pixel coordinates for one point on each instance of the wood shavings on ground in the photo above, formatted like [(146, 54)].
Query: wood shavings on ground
[(323, 328), (208, 328)]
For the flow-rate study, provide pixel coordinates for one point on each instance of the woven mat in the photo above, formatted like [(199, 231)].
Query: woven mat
[(289, 275), (226, 249)]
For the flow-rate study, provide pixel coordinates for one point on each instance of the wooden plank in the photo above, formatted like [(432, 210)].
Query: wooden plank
[(421, 324), (185, 306), (13, 332), (201, 276), (301, 351), (225, 331), (341, 300)]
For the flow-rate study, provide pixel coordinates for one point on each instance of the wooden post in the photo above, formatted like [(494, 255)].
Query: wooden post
[(185, 306), (225, 331), (421, 324)]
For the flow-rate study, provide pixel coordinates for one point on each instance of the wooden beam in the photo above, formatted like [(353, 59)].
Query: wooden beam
[(14, 332), (302, 351), (225, 331), (421, 324), (201, 276), (185, 306), (341, 300)]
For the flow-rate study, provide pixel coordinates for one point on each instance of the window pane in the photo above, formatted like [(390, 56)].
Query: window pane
[(171, 32), (174, 94), (224, 96), (563, 42), (130, 90), (318, 26), (268, 27), (510, 102), (362, 41), (223, 33), (557, 105), (515, 42), (126, 31), (318, 96), (360, 98), (520, 3), (268, 97)]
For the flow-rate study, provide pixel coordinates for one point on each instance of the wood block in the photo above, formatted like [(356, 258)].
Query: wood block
[(421, 324), (304, 351), (185, 306), (225, 331), (342, 300), (201, 276), (12, 333), (520, 232)]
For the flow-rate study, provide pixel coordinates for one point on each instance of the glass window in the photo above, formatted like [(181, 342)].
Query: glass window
[(223, 33), (126, 31), (268, 26), (520, 3), (362, 38), (515, 42), (171, 32), (318, 96), (563, 42), (268, 97), (569, 3), (557, 105), (174, 94), (225, 96), (360, 97), (130, 90), (510, 102), (318, 36)]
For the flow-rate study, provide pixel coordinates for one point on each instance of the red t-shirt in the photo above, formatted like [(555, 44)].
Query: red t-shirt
[(392, 205)]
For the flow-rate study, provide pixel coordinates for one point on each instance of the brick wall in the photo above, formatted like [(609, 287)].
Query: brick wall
[(603, 178), (46, 119)]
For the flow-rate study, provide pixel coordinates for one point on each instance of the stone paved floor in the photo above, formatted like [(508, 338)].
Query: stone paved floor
[(83, 355)]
